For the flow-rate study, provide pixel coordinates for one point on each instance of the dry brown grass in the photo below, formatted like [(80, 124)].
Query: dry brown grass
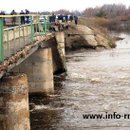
[(100, 26), (106, 24), (95, 23)]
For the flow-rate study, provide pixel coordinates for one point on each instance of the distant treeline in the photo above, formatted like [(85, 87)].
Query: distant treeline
[(107, 10)]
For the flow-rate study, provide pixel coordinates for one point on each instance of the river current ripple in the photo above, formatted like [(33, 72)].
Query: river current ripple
[(96, 82)]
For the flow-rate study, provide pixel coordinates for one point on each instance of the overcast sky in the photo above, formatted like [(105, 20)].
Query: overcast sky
[(51, 5)]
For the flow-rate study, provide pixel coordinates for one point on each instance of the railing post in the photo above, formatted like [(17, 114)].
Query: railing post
[(45, 25), (32, 29), (48, 24), (1, 41), (19, 24)]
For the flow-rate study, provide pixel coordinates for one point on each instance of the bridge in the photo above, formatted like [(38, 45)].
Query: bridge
[(29, 56)]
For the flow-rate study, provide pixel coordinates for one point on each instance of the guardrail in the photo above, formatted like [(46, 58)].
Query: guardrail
[(14, 37)]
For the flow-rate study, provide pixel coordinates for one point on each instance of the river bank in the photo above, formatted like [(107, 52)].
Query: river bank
[(84, 36)]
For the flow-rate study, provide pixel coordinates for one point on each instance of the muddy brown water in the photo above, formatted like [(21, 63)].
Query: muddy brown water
[(96, 82)]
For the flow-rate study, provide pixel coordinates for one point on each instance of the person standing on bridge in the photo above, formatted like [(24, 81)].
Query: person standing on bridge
[(14, 18), (27, 17), (76, 20), (3, 13), (53, 17), (66, 18), (71, 18), (22, 17)]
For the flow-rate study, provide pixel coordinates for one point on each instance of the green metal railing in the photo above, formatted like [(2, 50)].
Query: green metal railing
[(32, 28), (14, 38), (1, 41)]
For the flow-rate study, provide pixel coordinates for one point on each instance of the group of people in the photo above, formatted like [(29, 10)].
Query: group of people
[(63, 18), (23, 19), (52, 19)]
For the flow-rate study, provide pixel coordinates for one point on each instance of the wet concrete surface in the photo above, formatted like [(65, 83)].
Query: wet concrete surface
[(96, 82)]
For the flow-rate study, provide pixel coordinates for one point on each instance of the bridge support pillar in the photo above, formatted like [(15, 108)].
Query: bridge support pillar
[(60, 38), (14, 105), (39, 70), (41, 78)]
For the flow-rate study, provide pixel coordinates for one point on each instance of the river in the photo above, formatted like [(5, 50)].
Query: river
[(97, 82)]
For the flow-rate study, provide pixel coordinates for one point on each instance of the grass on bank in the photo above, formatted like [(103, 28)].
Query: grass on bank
[(100, 26)]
